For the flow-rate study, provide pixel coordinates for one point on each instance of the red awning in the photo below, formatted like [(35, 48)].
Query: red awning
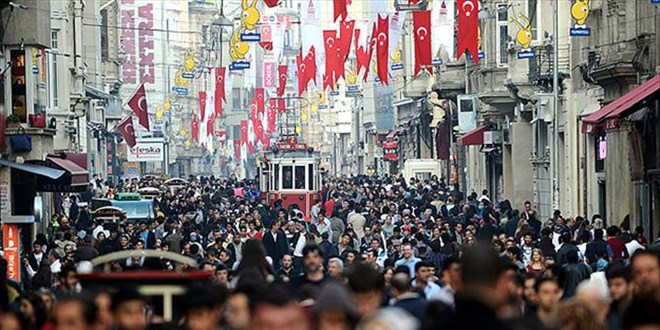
[(79, 176), (611, 112), (393, 133), (474, 137)]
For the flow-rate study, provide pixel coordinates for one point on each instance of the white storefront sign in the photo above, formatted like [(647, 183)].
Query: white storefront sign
[(147, 150)]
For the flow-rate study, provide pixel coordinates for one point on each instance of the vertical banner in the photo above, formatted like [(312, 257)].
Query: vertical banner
[(422, 30), (442, 34), (382, 49), (11, 248), (269, 74), (282, 73)]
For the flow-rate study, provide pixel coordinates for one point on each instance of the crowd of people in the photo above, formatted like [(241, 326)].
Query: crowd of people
[(372, 253)]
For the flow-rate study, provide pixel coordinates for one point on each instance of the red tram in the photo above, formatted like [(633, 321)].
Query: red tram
[(290, 171)]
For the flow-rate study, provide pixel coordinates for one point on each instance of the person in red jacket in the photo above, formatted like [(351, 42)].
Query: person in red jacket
[(618, 246)]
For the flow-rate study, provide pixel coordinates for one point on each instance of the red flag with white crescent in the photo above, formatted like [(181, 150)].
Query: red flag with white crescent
[(302, 74), (271, 115), (138, 103), (195, 128), (272, 3), (382, 46), (281, 105), (340, 9), (210, 125), (346, 38), (254, 110), (244, 131), (330, 45), (237, 149), (371, 48), (259, 131), (282, 72), (422, 36), (310, 66), (220, 74), (202, 105), (260, 100), (126, 129), (468, 26)]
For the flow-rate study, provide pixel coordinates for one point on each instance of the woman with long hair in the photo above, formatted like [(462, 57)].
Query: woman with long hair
[(537, 264), (254, 261)]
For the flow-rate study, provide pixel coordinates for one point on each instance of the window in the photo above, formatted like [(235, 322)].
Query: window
[(53, 97), (287, 177), (310, 174), (300, 177), (532, 11), (104, 35), (276, 182), (502, 32), (236, 98)]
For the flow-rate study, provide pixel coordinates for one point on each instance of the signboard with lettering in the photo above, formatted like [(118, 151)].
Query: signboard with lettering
[(11, 246), (391, 151), (4, 200), (137, 34), (147, 150)]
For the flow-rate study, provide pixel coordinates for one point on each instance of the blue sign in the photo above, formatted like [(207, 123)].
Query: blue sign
[(188, 75), (397, 66), (581, 31), (482, 55), (35, 69), (657, 2), (437, 61), (253, 37), (334, 93), (239, 66), (323, 106), (180, 90), (526, 54)]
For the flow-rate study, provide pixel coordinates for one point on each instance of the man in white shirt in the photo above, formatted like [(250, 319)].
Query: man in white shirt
[(423, 281), (323, 225)]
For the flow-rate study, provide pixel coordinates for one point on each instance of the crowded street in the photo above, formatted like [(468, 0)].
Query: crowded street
[(329, 165)]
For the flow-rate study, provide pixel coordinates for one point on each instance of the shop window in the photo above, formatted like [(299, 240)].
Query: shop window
[(18, 85)]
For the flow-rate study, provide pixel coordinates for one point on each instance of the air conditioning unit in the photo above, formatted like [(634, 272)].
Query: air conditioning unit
[(467, 113), (493, 137)]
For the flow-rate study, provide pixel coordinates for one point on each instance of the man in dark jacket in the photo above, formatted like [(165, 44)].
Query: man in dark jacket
[(596, 248), (566, 247), (407, 299), (275, 243)]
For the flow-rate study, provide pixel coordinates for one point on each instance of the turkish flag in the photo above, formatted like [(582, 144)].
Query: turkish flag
[(340, 9), (468, 26), (413, 2), (202, 104), (138, 103), (272, 3), (310, 66), (237, 149), (327, 82), (210, 125), (260, 100), (271, 115), (330, 45), (125, 127), (195, 128), (254, 110), (220, 74), (422, 30), (302, 74), (266, 45), (259, 131), (382, 47), (282, 72), (281, 106), (346, 38), (244, 131), (250, 147)]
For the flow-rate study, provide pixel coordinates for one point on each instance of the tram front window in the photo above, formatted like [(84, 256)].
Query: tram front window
[(287, 177), (300, 177)]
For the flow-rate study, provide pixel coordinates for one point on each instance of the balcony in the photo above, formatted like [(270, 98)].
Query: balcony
[(450, 80), (541, 69), (42, 142)]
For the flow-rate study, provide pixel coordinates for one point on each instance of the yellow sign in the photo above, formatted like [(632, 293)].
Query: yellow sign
[(237, 48), (250, 15), (524, 36), (580, 12)]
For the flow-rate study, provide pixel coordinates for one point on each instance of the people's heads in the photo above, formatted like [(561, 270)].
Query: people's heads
[(529, 293), (287, 261), (221, 274), (595, 295), (400, 283), (68, 279), (548, 293), (645, 271), (345, 239), (75, 312), (312, 259), (367, 285), (275, 310), (36, 247), (335, 267), (451, 272), (423, 271), (129, 309), (612, 231), (483, 274), (407, 250), (237, 309), (618, 280), (203, 305)]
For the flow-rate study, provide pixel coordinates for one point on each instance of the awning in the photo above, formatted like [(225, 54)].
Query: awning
[(611, 113), (474, 137), (44, 171), (96, 93), (78, 175), (393, 133)]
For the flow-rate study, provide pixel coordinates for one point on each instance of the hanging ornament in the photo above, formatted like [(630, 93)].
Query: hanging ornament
[(182, 133), (298, 129)]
